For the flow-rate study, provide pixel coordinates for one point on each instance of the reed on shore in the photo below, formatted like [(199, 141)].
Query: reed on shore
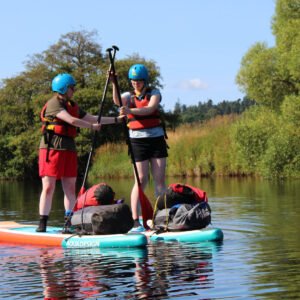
[(260, 142), (198, 149)]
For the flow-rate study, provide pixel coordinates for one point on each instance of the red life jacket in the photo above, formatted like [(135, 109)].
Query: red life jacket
[(58, 126), (199, 194), (140, 122), (89, 198)]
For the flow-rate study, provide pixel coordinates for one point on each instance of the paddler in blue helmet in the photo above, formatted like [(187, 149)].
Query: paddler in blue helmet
[(61, 117), (146, 132)]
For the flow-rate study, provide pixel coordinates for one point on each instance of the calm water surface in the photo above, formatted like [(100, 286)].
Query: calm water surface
[(258, 259)]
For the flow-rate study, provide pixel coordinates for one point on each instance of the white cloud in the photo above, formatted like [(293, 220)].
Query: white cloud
[(193, 84)]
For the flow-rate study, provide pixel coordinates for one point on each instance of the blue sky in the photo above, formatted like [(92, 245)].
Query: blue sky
[(198, 44)]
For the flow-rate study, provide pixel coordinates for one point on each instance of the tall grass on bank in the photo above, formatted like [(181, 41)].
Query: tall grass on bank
[(111, 161), (195, 150), (202, 149), (261, 142)]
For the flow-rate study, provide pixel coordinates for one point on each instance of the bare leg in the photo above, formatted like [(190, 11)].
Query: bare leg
[(46, 201), (47, 195), (143, 171), (158, 168), (69, 186)]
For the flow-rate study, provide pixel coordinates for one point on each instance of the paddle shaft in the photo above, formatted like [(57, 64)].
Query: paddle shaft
[(147, 210), (124, 121), (101, 105), (112, 58)]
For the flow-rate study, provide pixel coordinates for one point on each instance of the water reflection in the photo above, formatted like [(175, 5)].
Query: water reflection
[(182, 269), (259, 257), (128, 274), (155, 273), (88, 273)]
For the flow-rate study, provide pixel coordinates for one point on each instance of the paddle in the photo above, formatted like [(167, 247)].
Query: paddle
[(146, 207), (114, 49), (82, 190)]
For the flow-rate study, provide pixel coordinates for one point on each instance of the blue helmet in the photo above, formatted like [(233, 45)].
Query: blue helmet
[(138, 72), (61, 82)]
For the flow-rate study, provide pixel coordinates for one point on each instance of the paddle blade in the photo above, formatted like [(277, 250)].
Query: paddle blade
[(146, 207)]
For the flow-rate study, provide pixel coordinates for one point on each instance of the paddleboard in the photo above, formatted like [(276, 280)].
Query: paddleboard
[(208, 234), (189, 236), (13, 232)]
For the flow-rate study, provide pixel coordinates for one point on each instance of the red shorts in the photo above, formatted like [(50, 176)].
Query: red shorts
[(62, 163)]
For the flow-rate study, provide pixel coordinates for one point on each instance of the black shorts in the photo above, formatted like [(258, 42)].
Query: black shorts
[(147, 148)]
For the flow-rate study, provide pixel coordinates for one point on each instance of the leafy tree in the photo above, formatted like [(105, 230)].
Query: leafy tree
[(282, 157), (251, 135), (291, 111), (269, 74), (22, 98), (286, 28)]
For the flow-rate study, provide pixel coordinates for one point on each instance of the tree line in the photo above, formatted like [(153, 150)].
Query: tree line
[(204, 111)]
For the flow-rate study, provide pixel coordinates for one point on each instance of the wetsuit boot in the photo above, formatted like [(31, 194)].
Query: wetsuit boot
[(43, 224)]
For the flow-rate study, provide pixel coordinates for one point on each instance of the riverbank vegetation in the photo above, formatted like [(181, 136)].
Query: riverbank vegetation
[(256, 143), (255, 136)]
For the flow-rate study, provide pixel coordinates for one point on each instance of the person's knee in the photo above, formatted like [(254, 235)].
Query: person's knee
[(49, 188), (143, 179), (69, 185)]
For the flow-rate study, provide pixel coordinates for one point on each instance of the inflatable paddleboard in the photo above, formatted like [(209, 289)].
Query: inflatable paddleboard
[(189, 236), (208, 234), (13, 232)]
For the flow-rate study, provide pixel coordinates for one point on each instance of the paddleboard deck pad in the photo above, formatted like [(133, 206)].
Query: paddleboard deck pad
[(13, 232)]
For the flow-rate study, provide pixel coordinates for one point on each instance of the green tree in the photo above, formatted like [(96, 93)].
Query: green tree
[(286, 28), (259, 76), (269, 74), (269, 141), (22, 98), (251, 135)]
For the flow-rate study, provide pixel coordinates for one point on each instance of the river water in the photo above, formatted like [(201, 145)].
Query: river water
[(258, 259)]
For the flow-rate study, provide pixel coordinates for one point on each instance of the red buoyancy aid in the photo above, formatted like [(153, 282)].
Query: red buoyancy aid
[(58, 126), (89, 198), (140, 122), (200, 195)]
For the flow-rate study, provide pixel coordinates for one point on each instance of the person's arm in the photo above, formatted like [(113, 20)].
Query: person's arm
[(115, 95), (82, 123), (104, 120), (143, 111)]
